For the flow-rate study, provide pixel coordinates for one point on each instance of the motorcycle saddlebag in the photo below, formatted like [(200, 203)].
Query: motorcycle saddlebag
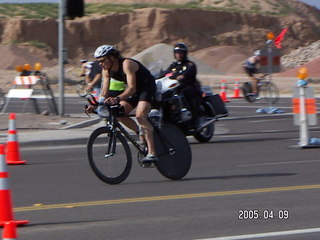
[(217, 103)]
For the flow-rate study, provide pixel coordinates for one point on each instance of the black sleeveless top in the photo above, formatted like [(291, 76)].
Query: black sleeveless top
[(143, 75)]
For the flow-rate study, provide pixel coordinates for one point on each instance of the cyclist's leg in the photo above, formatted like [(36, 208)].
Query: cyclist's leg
[(127, 121), (142, 111), (254, 85)]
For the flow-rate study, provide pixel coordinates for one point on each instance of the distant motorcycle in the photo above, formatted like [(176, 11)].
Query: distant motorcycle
[(173, 108)]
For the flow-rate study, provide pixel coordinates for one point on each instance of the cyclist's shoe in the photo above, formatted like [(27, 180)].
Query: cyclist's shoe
[(258, 97), (254, 96), (150, 158)]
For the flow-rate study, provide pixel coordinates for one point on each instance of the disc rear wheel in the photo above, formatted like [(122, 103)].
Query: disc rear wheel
[(173, 151)]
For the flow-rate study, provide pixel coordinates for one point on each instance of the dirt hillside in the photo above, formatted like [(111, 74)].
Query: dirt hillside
[(219, 39)]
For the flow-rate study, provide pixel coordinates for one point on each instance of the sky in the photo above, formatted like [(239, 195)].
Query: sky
[(315, 3)]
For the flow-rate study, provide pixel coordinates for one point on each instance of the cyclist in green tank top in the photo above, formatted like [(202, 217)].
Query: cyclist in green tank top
[(139, 92)]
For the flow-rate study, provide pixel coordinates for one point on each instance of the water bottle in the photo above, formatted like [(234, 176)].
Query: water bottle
[(314, 141)]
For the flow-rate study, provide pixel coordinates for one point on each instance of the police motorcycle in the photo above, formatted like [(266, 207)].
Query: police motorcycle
[(173, 108)]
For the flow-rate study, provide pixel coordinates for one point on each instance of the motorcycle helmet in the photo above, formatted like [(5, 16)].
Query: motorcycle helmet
[(257, 53), (180, 47)]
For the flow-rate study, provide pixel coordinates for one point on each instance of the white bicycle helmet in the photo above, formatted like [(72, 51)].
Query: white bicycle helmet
[(257, 53), (103, 51)]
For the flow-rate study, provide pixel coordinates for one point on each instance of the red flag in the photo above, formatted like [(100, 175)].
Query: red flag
[(279, 38)]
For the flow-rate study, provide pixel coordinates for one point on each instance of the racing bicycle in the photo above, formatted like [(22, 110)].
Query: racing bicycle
[(110, 156), (266, 89), (2, 99)]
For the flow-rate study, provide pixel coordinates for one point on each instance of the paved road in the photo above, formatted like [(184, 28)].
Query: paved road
[(247, 168)]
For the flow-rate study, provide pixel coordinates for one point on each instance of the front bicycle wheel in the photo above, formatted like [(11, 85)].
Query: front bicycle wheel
[(110, 166), (2, 99), (269, 92), (172, 164), (81, 88)]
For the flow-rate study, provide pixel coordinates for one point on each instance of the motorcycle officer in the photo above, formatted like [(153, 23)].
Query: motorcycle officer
[(185, 72)]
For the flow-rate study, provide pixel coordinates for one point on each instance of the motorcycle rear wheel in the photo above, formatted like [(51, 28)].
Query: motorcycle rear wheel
[(205, 134)]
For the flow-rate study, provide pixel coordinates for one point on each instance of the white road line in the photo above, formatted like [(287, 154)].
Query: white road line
[(278, 163), (268, 120), (269, 234), (236, 135), (256, 106), (271, 131)]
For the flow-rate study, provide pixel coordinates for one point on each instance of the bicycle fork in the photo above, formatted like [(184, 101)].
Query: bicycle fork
[(111, 146)]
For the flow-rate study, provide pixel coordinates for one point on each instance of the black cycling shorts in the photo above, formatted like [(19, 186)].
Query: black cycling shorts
[(145, 92), (251, 71)]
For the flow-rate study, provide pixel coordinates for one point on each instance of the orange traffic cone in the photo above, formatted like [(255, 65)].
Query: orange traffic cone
[(12, 147), (223, 91), (9, 231), (6, 212), (236, 89)]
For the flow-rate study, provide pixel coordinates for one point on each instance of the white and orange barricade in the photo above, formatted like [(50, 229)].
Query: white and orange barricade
[(304, 109), (6, 210), (310, 109), (22, 87), (30, 88), (26, 80), (304, 112)]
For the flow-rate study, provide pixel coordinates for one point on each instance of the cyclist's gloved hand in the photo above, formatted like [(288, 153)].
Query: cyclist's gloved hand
[(102, 111)]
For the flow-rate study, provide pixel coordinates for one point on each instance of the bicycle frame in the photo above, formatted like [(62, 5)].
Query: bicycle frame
[(112, 124)]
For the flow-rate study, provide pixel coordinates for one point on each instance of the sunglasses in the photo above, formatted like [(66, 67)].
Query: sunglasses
[(102, 60)]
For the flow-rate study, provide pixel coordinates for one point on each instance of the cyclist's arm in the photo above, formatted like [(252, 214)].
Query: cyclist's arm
[(96, 79), (129, 68), (105, 84)]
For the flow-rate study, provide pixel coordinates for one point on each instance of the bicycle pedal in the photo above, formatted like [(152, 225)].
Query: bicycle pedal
[(147, 165)]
